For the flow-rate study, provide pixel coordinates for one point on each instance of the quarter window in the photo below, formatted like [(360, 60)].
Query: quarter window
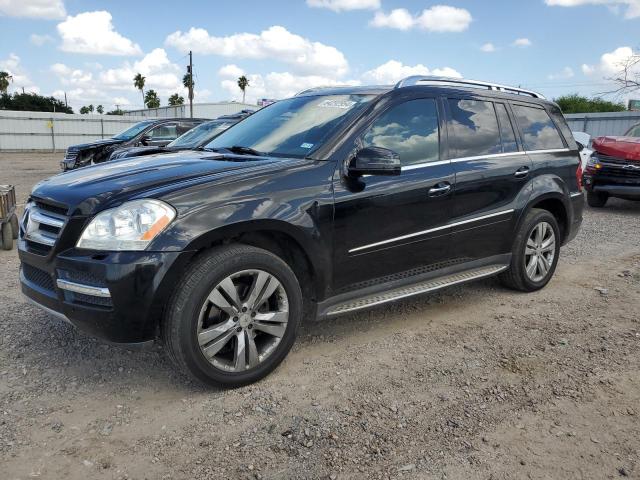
[(165, 132), (475, 128), (506, 129), (539, 131), (409, 129)]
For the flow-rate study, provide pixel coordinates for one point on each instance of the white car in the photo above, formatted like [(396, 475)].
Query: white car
[(584, 142)]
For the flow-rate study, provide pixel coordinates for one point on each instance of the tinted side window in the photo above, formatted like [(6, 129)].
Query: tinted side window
[(409, 129), (506, 129), (561, 123), (475, 128), (164, 132), (539, 131), (633, 131)]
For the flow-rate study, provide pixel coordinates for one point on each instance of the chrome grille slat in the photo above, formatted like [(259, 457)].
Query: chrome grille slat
[(40, 226)]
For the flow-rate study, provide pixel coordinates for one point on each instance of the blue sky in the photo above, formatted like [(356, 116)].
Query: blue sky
[(91, 49)]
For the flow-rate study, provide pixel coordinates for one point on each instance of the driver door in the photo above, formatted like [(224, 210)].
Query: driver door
[(385, 225)]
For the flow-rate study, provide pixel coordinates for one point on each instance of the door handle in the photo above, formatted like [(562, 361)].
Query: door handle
[(522, 172), (439, 189)]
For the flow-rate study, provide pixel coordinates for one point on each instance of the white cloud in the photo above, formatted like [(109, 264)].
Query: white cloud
[(273, 85), (345, 5), (230, 71), (275, 43), (521, 42), (47, 9), (564, 74), (94, 33), (612, 63), (40, 40), (399, 18), (394, 71), (439, 18), (631, 7), (443, 18), (102, 84), (488, 48), (21, 79)]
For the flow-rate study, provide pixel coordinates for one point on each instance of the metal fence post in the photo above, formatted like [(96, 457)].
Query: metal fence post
[(102, 128), (53, 136)]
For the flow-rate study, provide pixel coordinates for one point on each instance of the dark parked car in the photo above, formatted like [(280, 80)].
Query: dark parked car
[(613, 169), (157, 132), (325, 203), (193, 139)]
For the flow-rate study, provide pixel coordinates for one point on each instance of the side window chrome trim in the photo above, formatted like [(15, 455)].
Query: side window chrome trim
[(481, 157)]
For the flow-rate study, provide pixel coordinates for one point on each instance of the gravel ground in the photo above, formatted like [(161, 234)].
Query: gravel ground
[(475, 382)]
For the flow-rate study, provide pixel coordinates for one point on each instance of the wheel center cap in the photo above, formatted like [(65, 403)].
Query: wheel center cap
[(244, 319)]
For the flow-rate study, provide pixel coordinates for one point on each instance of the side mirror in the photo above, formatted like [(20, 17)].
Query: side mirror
[(375, 161), (145, 139)]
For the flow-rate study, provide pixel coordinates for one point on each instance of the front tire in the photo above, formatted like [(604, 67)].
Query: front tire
[(597, 199), (535, 252), (234, 316)]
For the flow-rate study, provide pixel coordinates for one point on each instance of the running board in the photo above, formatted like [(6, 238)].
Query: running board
[(414, 289)]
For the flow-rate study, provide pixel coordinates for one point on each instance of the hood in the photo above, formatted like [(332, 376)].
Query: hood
[(626, 148), (91, 189), (96, 144)]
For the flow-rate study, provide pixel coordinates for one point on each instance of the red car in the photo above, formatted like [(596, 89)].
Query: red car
[(614, 168)]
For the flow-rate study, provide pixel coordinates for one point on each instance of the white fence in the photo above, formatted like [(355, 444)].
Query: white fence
[(600, 124), (42, 131)]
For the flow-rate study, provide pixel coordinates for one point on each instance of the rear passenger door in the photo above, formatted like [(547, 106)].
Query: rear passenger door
[(491, 171)]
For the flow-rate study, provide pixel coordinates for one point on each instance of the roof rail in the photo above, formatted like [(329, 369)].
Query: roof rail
[(422, 79)]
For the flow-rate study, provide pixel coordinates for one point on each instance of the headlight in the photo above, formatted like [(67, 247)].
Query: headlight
[(131, 226)]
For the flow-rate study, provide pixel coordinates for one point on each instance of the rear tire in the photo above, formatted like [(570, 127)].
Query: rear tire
[(597, 199), (233, 317), (7, 236), (535, 252), (15, 226)]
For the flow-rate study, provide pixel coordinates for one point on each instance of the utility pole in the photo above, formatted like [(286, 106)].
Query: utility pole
[(190, 72), (65, 100)]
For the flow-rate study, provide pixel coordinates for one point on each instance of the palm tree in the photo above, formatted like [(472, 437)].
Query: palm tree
[(175, 100), (5, 79), (90, 108), (188, 83), (100, 109), (243, 83), (151, 99), (138, 82), (84, 110)]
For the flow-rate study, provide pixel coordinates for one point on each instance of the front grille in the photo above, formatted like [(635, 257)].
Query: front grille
[(84, 278), (91, 300), (71, 155), (41, 226), (37, 277)]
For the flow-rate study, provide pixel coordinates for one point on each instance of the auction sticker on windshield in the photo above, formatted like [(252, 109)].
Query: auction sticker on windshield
[(344, 104)]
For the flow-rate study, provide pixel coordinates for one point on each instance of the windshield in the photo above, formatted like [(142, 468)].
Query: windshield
[(294, 127), (633, 131), (201, 134), (131, 132)]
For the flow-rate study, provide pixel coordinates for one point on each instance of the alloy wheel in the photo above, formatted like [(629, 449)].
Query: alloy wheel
[(243, 320), (540, 251)]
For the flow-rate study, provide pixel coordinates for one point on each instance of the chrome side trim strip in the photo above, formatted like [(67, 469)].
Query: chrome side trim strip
[(551, 150), (431, 230), (493, 155), (58, 315), (577, 194), (84, 289), (425, 164)]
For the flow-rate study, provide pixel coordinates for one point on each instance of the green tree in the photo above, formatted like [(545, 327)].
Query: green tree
[(151, 99), (188, 83), (5, 79), (243, 83), (175, 100), (100, 109), (138, 82), (117, 111), (32, 102), (84, 110), (90, 107), (575, 103)]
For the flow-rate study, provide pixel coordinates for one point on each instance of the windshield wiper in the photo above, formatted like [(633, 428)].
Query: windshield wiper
[(244, 150)]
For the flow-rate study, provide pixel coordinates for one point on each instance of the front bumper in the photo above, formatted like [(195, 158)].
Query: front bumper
[(115, 296)]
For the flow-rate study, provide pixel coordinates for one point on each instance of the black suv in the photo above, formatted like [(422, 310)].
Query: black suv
[(329, 202), (156, 132), (195, 138)]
